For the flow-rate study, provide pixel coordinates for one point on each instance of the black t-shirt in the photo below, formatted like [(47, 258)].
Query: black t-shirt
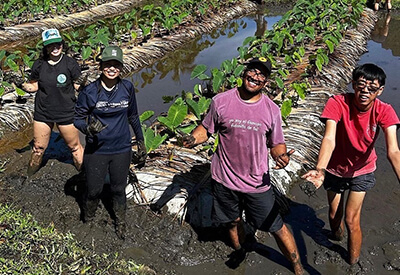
[(55, 99)]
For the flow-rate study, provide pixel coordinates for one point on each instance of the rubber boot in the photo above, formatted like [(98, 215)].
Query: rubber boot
[(34, 163), (89, 210), (120, 222)]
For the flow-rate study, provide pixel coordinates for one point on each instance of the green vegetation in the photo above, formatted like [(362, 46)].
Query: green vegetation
[(137, 26), (318, 25), (28, 248), (13, 9)]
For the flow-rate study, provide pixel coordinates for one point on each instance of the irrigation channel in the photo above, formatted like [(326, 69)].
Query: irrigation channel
[(169, 247)]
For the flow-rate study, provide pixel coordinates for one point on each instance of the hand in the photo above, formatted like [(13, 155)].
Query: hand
[(283, 160), (316, 177), (187, 141), (95, 126), (140, 155)]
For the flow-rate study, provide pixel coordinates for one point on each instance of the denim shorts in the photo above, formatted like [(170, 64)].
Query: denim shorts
[(260, 209), (357, 184)]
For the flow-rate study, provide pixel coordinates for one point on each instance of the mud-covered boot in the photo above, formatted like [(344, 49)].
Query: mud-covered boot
[(120, 222), (89, 210), (34, 163)]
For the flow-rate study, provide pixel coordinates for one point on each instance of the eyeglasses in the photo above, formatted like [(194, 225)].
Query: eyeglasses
[(371, 89)]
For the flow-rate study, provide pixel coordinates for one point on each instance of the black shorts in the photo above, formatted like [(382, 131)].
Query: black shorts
[(357, 184), (260, 209)]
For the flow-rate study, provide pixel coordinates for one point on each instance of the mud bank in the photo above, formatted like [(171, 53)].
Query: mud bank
[(162, 243)]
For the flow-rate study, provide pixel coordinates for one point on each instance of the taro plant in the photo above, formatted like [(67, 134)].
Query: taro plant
[(152, 139), (176, 114)]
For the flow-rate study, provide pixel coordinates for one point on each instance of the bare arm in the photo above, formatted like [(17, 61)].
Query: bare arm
[(30, 87), (199, 135), (325, 153), (393, 152)]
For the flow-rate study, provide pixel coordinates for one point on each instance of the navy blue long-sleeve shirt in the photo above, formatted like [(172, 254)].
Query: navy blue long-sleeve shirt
[(117, 109)]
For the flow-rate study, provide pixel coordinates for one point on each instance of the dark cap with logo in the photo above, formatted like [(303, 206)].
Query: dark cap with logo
[(112, 53), (261, 61)]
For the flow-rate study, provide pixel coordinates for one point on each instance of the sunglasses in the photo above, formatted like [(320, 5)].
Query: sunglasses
[(371, 89), (252, 79)]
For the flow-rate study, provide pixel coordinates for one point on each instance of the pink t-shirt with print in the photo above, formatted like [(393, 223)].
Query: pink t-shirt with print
[(241, 160), (356, 133)]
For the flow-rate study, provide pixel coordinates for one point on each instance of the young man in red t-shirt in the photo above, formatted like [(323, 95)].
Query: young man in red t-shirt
[(347, 158)]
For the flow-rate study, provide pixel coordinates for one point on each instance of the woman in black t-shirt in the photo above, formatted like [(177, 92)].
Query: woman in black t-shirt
[(53, 78)]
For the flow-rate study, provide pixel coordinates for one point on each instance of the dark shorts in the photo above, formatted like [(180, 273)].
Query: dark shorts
[(357, 184), (49, 118), (260, 209)]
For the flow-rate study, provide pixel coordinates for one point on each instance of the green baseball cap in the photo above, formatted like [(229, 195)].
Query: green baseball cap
[(51, 36), (112, 53)]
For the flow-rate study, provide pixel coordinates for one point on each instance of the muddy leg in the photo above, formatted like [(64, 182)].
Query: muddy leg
[(287, 245), (236, 232), (89, 210), (336, 223), (95, 170), (71, 137), (41, 138), (119, 170), (120, 221), (353, 215), (376, 5)]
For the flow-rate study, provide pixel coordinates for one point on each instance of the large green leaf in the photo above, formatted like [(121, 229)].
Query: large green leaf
[(198, 70), (286, 108), (199, 107), (152, 140), (146, 115), (218, 79), (187, 129), (176, 115)]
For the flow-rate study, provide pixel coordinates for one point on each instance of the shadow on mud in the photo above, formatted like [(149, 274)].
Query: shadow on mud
[(301, 219)]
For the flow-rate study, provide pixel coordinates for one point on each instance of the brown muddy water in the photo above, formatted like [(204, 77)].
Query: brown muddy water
[(52, 195)]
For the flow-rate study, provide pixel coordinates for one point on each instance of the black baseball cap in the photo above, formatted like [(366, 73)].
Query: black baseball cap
[(262, 61)]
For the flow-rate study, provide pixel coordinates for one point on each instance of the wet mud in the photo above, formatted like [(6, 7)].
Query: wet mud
[(161, 242)]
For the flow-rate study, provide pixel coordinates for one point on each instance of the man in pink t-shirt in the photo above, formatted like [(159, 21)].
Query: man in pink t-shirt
[(247, 123), (347, 158)]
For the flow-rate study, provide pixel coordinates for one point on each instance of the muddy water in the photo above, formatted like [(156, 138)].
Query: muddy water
[(171, 75)]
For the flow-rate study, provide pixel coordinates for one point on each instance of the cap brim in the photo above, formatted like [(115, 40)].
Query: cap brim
[(53, 40), (254, 62), (112, 58)]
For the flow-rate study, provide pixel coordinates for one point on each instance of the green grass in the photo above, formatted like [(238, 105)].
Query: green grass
[(28, 248)]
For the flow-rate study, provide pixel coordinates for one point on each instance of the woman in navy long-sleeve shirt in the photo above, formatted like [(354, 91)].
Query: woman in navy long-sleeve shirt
[(103, 112)]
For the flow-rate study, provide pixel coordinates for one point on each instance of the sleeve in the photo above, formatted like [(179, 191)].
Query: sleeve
[(133, 115), (388, 117), (82, 111), (276, 133), (332, 110), (35, 72), (75, 69), (210, 121)]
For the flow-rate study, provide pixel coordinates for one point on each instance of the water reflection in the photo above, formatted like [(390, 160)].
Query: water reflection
[(387, 33), (381, 29), (171, 75)]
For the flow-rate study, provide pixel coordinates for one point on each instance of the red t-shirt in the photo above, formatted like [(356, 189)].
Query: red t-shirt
[(357, 131)]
